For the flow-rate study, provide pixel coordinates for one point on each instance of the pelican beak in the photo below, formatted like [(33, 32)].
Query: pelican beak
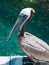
[(16, 25)]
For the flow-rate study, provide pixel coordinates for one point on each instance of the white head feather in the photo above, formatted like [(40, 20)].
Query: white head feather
[(27, 11)]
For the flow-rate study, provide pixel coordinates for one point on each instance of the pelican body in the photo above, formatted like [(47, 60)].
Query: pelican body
[(35, 48)]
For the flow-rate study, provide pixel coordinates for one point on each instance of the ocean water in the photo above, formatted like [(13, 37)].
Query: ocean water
[(9, 11)]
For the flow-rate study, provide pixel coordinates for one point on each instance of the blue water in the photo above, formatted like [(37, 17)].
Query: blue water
[(9, 11)]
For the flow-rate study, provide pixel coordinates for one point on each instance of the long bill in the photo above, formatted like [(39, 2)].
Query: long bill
[(16, 25), (20, 22)]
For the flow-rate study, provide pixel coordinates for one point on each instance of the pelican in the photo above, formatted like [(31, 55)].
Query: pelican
[(35, 48)]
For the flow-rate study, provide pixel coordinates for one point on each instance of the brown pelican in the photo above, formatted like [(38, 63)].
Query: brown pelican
[(35, 48)]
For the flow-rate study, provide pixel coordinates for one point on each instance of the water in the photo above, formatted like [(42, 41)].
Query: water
[(39, 25)]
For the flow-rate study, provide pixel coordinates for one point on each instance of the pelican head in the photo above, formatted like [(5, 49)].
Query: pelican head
[(23, 17)]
